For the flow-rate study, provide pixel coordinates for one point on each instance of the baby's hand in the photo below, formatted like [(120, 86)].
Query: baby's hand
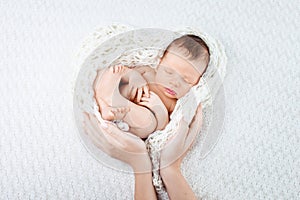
[(152, 101), (155, 104), (137, 87)]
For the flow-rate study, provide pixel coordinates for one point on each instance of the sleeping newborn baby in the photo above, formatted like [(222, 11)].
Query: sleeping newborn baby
[(144, 97)]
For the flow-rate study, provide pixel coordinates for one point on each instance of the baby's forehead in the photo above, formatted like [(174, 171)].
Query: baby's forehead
[(178, 50), (192, 64)]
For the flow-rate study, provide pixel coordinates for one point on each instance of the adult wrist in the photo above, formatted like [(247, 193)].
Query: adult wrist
[(143, 166), (170, 171)]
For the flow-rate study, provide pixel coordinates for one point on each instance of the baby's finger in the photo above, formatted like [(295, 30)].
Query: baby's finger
[(133, 94), (139, 94), (146, 91), (143, 103), (145, 99)]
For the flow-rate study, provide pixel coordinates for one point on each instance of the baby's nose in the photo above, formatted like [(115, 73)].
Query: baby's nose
[(174, 82)]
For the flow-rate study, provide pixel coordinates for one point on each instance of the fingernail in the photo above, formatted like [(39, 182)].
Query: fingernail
[(104, 125)]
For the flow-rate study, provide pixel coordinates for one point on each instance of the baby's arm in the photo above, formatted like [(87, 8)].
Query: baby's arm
[(130, 74), (162, 117), (155, 104), (137, 85)]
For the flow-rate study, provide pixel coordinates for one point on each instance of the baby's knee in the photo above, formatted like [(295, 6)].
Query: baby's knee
[(146, 125)]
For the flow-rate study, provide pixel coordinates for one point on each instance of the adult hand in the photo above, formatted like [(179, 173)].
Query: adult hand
[(118, 144), (175, 150), (177, 146)]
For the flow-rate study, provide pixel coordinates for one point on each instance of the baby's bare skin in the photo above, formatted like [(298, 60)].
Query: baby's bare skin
[(141, 120), (169, 81)]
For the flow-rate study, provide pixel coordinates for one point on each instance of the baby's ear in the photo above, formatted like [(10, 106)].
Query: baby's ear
[(159, 59)]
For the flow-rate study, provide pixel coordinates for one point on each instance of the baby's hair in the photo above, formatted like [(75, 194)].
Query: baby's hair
[(192, 47)]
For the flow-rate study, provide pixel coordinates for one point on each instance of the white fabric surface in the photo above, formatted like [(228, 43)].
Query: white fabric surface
[(258, 155), (120, 44)]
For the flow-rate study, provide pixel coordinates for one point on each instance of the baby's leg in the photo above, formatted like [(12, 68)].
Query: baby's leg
[(140, 120), (106, 82), (111, 113)]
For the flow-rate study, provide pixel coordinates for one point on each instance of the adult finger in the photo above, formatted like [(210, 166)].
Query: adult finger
[(87, 121), (96, 137), (103, 137), (191, 138), (96, 131), (174, 148), (120, 139), (194, 128), (111, 136), (85, 116), (94, 121), (119, 134), (198, 118), (98, 78), (85, 129), (179, 138)]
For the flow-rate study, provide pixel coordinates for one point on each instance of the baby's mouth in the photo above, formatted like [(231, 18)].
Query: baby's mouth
[(169, 91)]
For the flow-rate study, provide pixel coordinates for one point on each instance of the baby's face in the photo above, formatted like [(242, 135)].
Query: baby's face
[(175, 75)]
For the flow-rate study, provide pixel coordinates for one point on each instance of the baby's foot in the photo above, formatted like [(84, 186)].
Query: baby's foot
[(112, 113), (119, 113), (106, 85), (118, 69)]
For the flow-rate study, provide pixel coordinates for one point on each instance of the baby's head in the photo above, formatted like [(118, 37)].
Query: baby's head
[(182, 65)]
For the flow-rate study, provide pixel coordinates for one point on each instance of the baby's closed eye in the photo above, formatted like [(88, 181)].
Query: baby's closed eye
[(168, 71)]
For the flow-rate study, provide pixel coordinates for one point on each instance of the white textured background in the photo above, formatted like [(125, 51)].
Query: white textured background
[(258, 156)]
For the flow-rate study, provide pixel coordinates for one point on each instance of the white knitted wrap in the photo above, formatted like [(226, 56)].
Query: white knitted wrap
[(119, 44)]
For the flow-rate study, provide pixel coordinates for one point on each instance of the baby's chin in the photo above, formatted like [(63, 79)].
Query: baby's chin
[(175, 97)]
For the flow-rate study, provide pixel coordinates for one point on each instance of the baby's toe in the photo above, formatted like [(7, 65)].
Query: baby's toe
[(114, 110), (126, 109), (120, 68), (123, 110)]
